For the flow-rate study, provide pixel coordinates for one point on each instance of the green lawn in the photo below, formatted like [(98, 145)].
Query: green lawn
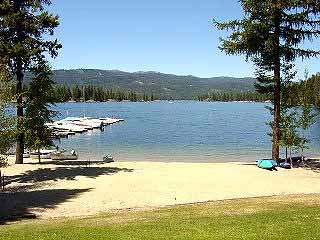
[(257, 218)]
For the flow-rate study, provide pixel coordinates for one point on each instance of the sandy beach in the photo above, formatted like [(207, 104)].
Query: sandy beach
[(62, 189)]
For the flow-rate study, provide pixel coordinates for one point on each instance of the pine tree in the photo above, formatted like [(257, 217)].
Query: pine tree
[(38, 109), (289, 137), (6, 122), (307, 117), (270, 34), (23, 24)]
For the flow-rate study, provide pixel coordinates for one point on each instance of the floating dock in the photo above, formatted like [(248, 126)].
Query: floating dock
[(72, 125)]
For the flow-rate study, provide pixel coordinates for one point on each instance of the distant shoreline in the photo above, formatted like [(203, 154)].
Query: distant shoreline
[(162, 100)]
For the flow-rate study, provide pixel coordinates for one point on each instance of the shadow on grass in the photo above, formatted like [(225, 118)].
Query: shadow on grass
[(18, 206)]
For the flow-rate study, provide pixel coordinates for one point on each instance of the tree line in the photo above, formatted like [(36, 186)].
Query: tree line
[(305, 91), (298, 93), (77, 93), (229, 96)]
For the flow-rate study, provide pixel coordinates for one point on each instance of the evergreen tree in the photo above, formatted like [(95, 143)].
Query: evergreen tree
[(38, 109), (76, 93), (6, 122), (307, 117), (289, 137), (23, 24), (270, 34)]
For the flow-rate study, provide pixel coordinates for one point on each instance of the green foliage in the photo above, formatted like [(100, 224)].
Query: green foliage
[(306, 92), (23, 25), (38, 108), (257, 35), (6, 135), (95, 93), (228, 96), (296, 116), (289, 137), (6, 122)]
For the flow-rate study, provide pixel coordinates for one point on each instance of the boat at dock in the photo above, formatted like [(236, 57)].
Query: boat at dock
[(109, 121), (72, 125), (64, 156), (62, 125), (85, 122), (94, 123), (42, 156)]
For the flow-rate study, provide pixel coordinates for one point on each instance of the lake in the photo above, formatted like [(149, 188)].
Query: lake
[(179, 131)]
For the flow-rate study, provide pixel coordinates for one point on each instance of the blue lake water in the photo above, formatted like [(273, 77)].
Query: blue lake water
[(180, 131)]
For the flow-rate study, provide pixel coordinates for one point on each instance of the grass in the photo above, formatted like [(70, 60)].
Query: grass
[(286, 217)]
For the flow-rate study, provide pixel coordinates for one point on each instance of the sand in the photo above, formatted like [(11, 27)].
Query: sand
[(63, 189)]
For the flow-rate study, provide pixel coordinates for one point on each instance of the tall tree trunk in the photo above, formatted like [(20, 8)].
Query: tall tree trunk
[(39, 158), (20, 135), (302, 147), (277, 91), (286, 161), (291, 165)]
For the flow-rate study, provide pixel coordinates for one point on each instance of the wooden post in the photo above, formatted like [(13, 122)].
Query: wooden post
[(3, 183)]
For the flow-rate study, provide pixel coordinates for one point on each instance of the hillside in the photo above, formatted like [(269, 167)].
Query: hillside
[(167, 86)]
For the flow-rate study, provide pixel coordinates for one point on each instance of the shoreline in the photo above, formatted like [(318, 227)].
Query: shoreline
[(75, 189)]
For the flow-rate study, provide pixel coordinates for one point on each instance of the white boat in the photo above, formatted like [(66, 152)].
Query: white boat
[(82, 124), (42, 156), (77, 122), (64, 156), (44, 151), (61, 125), (94, 123), (85, 122), (47, 151), (108, 159), (109, 121)]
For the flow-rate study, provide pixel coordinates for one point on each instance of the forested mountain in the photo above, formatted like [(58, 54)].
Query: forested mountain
[(164, 86)]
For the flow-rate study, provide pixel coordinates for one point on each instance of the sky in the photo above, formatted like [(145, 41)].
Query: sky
[(170, 36)]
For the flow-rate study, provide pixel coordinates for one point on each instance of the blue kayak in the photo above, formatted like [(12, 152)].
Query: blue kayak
[(267, 163)]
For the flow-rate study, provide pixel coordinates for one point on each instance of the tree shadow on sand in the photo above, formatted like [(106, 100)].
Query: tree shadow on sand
[(310, 164), (69, 162), (26, 190), (18, 206), (63, 173)]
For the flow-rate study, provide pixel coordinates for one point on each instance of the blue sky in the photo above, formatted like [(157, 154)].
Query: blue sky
[(171, 36)]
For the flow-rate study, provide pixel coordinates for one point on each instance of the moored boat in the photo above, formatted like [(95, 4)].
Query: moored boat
[(63, 156), (66, 126), (42, 156), (108, 159), (109, 121)]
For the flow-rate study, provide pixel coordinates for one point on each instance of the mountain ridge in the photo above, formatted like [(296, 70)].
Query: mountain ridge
[(162, 85)]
